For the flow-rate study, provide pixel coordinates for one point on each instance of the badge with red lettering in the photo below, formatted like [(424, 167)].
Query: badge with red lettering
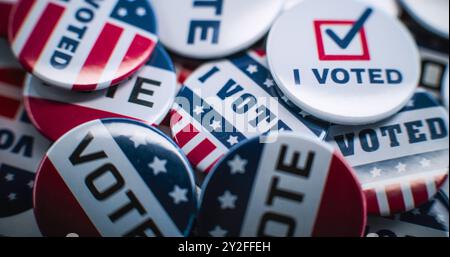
[(282, 185), (21, 150), (207, 29), (336, 66), (147, 97), (83, 45), (114, 178), (401, 162), (5, 9), (429, 220), (226, 102)]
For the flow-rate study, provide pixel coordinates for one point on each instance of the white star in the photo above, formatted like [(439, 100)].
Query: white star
[(252, 69), (30, 184), (376, 172), (122, 12), (269, 83), (401, 167), (285, 98), (237, 165), (215, 125), (139, 139), (179, 195), (227, 200), (199, 110), (304, 114), (425, 163), (12, 196), (233, 140), (411, 104), (9, 177), (158, 166), (141, 11), (218, 232)]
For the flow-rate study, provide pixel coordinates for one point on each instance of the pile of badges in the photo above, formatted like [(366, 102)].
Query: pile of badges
[(285, 118)]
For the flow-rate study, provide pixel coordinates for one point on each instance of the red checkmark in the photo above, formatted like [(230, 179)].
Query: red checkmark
[(323, 56)]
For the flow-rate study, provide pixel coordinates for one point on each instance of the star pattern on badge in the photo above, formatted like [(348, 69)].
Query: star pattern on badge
[(233, 140), (269, 82), (179, 195), (158, 166), (237, 165), (198, 110), (401, 167), (227, 200), (376, 172), (215, 125), (139, 139), (12, 196), (9, 177), (425, 163), (252, 69), (217, 231)]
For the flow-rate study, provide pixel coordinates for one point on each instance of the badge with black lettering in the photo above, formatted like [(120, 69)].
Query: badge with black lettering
[(226, 102), (147, 96), (83, 45), (355, 65), (5, 10), (401, 162), (207, 29), (114, 178), (21, 150), (429, 220), (282, 185)]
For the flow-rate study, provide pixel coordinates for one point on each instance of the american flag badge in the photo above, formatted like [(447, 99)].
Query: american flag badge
[(5, 9), (429, 220), (401, 162), (147, 96), (115, 178), (282, 185), (208, 29), (21, 150), (226, 102), (83, 45)]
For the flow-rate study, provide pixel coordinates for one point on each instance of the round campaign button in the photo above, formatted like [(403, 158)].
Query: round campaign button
[(5, 10), (401, 162), (113, 178), (82, 45), (212, 29), (226, 102), (21, 150), (432, 15), (147, 97), (282, 185), (429, 220), (355, 65), (445, 88)]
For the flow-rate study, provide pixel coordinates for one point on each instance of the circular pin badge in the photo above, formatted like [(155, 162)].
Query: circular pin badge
[(226, 102), (336, 66), (429, 220), (82, 45), (401, 162), (5, 10), (114, 178), (212, 29), (282, 185), (432, 15), (147, 97), (445, 88), (21, 150)]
